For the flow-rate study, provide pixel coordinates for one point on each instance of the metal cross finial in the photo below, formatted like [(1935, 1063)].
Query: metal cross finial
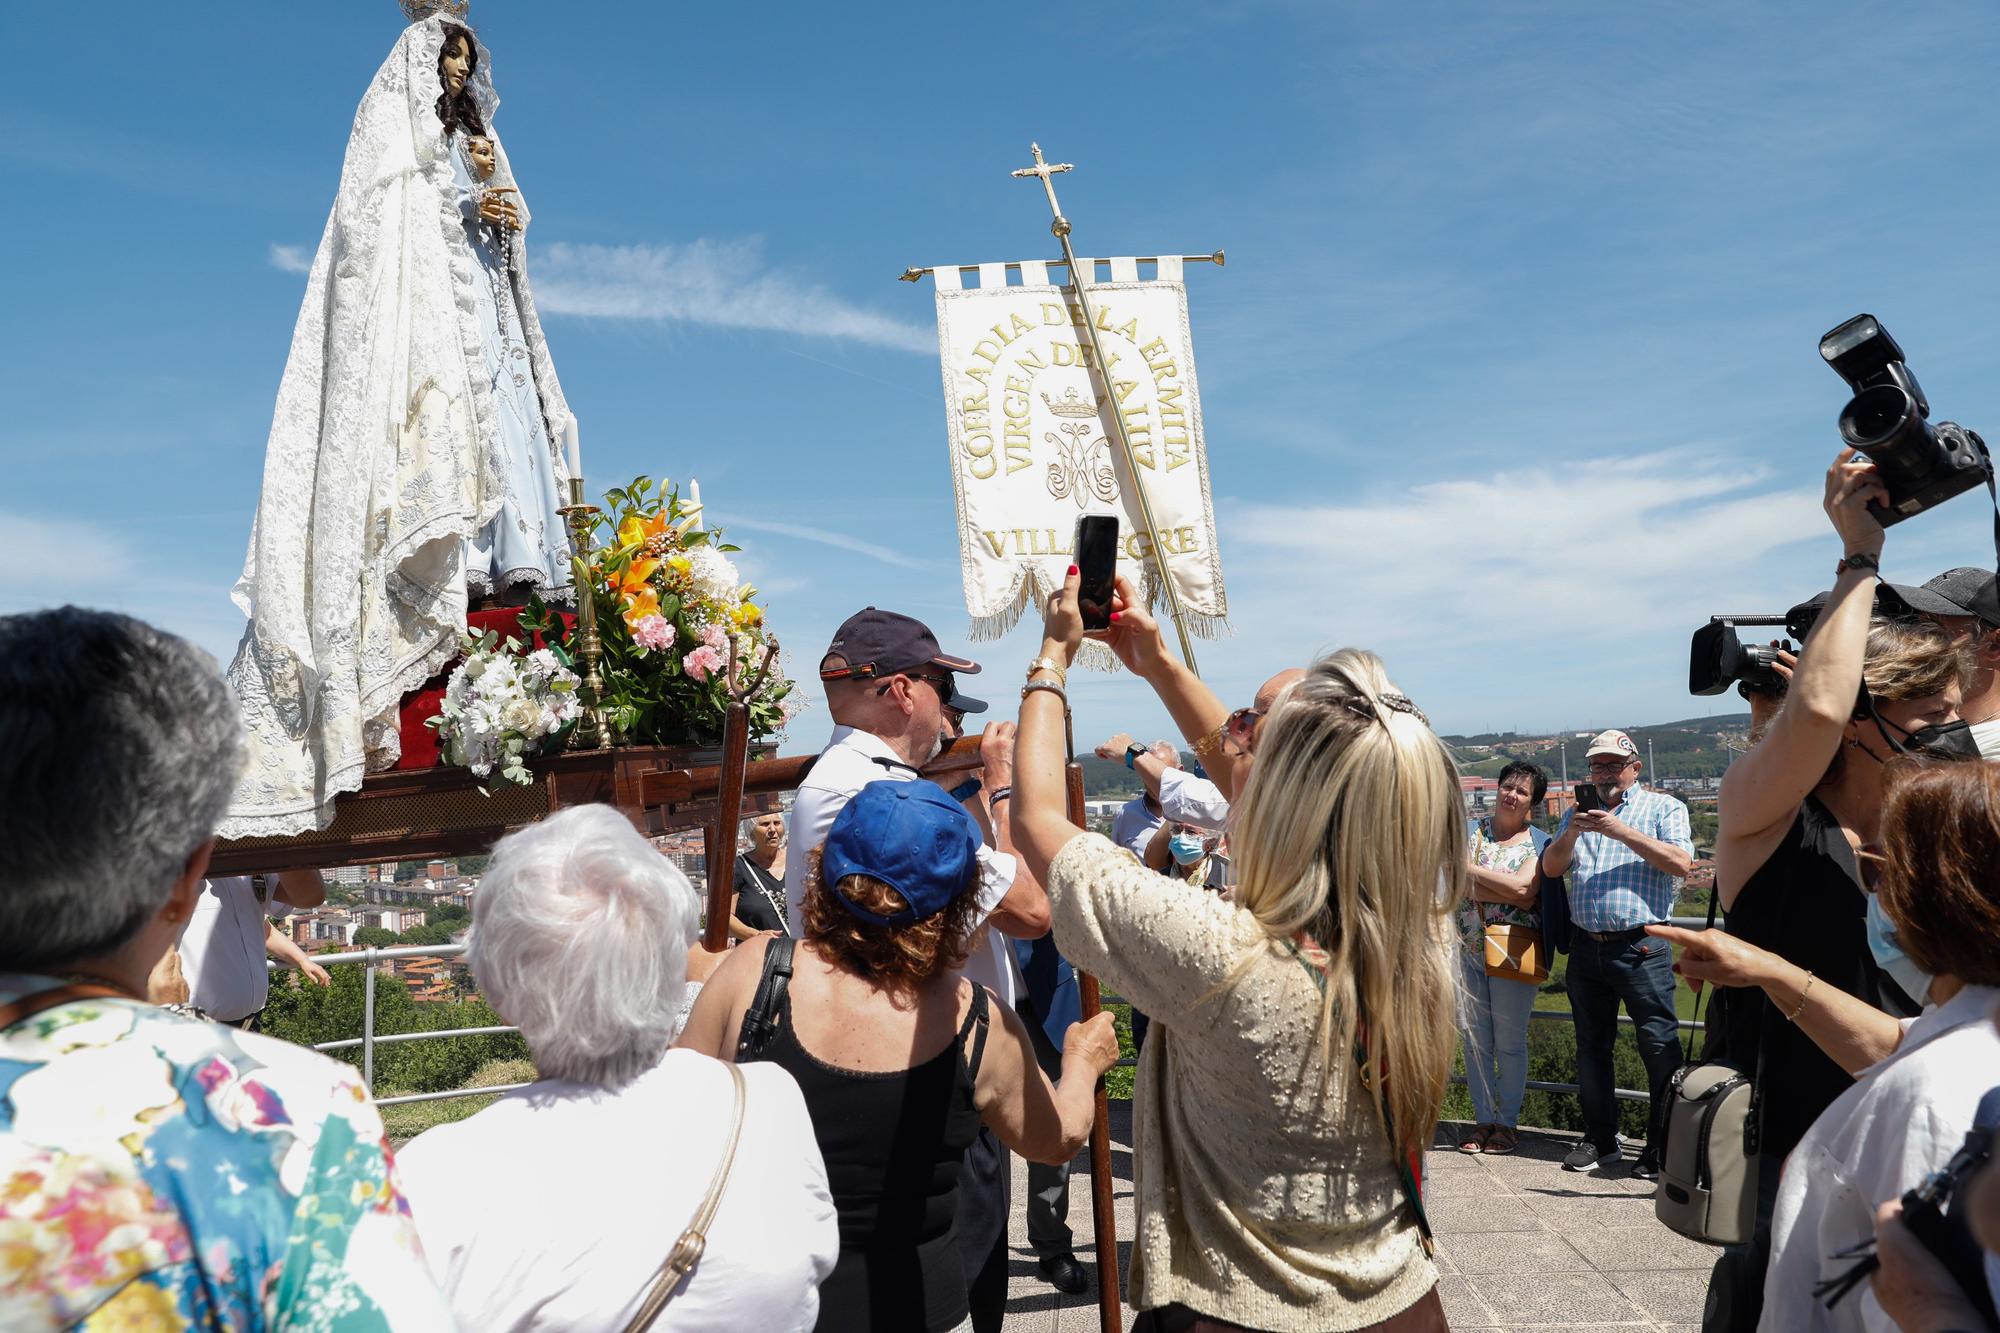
[(1046, 171)]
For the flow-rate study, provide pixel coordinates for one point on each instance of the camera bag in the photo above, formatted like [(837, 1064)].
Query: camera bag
[(1709, 1150)]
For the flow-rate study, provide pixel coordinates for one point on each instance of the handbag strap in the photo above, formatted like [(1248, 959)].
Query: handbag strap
[(1406, 1167), (767, 1005), (687, 1250), (1700, 995), (763, 879), (29, 1005)]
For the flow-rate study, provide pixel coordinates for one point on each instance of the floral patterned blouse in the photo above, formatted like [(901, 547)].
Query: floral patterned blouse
[(159, 1171), (1506, 859)]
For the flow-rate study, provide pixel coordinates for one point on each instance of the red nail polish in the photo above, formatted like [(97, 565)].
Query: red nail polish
[(1115, 615), (1072, 569)]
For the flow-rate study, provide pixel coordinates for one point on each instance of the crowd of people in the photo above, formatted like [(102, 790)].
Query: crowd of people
[(814, 1127)]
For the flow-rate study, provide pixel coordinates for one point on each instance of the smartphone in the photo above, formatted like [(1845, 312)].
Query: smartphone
[(1587, 797), (1096, 563)]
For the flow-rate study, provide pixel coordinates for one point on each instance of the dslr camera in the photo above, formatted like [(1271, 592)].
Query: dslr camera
[(1888, 419)]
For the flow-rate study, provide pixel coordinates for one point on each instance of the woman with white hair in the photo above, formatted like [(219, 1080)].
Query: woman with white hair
[(556, 1207), (1302, 1032)]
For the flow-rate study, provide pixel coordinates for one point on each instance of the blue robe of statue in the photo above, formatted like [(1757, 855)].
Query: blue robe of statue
[(525, 546)]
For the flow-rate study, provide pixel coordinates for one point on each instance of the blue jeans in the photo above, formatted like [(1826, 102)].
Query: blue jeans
[(1493, 1023), (1638, 969)]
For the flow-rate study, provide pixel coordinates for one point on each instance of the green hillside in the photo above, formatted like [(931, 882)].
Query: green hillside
[(1691, 748)]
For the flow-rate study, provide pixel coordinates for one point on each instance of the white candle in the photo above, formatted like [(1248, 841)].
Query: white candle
[(575, 447), (694, 503)]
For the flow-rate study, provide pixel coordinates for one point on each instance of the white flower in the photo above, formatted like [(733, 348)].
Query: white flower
[(712, 575)]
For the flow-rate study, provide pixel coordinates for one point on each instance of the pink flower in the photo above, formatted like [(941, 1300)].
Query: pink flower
[(653, 632), (715, 637), (701, 663)]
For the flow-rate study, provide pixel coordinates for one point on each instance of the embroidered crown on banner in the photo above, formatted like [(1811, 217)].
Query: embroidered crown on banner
[(1071, 405)]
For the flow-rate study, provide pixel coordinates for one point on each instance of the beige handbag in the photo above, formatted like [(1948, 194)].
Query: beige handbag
[(1516, 953), (688, 1249)]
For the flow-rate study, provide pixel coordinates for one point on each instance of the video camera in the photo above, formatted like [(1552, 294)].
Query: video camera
[(1718, 658), (1888, 419)]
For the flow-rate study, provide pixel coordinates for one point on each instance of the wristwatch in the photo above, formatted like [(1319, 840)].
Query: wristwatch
[(1859, 560), (965, 790), (1132, 753), (1050, 665)]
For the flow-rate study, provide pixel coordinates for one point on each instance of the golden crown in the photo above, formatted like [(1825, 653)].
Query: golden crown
[(419, 10), (1071, 405)]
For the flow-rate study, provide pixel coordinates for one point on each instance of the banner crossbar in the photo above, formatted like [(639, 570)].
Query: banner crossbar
[(913, 274)]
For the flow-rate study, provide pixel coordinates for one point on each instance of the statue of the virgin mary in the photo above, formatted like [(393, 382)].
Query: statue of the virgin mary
[(414, 462)]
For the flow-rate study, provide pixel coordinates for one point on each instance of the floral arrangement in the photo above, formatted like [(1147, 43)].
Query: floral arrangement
[(503, 705), (678, 625)]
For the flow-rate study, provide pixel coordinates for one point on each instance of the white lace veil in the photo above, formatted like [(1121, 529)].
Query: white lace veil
[(382, 461)]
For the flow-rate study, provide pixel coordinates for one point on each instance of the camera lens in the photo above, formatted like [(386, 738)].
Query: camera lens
[(1882, 421)]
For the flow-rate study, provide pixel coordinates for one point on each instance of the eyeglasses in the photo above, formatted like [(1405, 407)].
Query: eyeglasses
[(942, 684), (1239, 732), (1611, 765)]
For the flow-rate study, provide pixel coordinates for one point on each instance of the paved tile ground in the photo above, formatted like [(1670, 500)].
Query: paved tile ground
[(1522, 1244)]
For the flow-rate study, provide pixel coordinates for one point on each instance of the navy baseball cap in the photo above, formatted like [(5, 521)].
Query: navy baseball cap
[(909, 835), (872, 644)]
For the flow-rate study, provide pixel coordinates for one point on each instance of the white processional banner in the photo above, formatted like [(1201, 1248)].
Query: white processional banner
[(1034, 441)]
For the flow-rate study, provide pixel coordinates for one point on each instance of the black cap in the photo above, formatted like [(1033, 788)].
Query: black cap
[(872, 644), (1894, 601), (1969, 591)]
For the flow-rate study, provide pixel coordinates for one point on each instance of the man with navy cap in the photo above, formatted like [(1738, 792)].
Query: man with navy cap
[(893, 693), (1972, 612)]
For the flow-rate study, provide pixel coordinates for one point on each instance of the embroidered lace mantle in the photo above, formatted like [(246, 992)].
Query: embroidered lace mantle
[(382, 460)]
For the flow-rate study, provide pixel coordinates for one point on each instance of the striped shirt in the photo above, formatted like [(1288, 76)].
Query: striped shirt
[(1610, 887)]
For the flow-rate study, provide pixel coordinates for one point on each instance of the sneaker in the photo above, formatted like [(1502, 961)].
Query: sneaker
[(1587, 1155), (1648, 1166), (1500, 1141)]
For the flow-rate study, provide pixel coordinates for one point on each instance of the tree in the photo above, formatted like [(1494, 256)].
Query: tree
[(374, 937), (431, 933)]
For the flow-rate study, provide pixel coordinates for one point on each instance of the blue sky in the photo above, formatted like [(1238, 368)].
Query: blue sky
[(1511, 374)]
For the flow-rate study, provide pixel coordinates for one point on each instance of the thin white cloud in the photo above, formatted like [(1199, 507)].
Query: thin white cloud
[(825, 537), (725, 284), (290, 259)]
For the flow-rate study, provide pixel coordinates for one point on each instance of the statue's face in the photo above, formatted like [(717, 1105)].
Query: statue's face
[(457, 65), (484, 163)]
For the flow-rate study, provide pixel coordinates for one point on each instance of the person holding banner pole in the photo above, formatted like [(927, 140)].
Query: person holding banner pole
[(1306, 1026)]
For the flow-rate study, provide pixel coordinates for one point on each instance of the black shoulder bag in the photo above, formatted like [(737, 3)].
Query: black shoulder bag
[(760, 1020)]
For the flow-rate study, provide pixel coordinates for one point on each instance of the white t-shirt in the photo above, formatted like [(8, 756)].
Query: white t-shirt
[(1987, 736), (1902, 1120), (853, 759), (222, 950), (554, 1207), (1187, 799)]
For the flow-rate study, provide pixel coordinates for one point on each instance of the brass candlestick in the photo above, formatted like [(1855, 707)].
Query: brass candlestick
[(595, 730)]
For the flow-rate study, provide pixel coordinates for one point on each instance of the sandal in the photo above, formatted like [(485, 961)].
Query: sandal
[(1475, 1142), (1501, 1140)]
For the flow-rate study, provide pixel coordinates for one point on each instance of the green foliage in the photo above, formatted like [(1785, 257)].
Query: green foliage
[(431, 932), (308, 1014), (1690, 748), (406, 1122), (449, 914), (374, 937)]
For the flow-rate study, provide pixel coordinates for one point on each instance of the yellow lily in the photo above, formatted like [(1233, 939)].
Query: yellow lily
[(634, 586), (636, 531)]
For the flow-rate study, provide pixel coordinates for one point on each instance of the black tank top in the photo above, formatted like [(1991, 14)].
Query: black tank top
[(1805, 904), (893, 1143)]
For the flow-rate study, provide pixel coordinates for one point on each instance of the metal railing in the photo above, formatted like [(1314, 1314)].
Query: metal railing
[(369, 1040)]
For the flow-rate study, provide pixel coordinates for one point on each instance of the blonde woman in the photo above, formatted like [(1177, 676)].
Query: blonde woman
[(1302, 1032)]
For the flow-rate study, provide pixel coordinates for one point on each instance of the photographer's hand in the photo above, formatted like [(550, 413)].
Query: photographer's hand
[(1134, 635), (1597, 821), (1850, 486), (1915, 1289)]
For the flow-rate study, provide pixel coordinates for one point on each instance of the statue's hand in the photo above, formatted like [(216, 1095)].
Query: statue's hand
[(495, 206)]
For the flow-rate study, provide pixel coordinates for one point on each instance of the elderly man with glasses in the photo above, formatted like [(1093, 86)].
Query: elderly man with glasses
[(894, 697), (1623, 858)]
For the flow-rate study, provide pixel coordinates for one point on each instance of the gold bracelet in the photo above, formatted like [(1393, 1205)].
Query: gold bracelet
[(1037, 686), (1208, 747), (1050, 665), (1793, 1017)]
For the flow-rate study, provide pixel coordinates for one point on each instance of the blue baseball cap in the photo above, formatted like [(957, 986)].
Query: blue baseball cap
[(909, 835)]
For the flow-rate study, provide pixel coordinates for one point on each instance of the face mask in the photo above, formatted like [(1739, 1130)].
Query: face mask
[(1889, 955), (1185, 847), (1948, 740)]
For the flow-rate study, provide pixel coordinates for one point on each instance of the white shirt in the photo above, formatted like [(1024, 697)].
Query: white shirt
[(1187, 799), (1986, 735), (554, 1207), (1133, 829), (848, 764), (1902, 1120), (222, 950)]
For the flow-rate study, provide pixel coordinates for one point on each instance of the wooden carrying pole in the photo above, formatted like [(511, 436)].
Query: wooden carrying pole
[(720, 854), (1103, 1221)]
